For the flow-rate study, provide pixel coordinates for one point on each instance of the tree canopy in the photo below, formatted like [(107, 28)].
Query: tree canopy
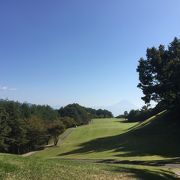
[(159, 74), (82, 114)]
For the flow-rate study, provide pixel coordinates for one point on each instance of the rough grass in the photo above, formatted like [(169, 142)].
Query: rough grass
[(31, 168)]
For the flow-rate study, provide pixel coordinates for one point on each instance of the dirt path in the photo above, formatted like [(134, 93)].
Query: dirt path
[(177, 172), (174, 167), (29, 153), (64, 135)]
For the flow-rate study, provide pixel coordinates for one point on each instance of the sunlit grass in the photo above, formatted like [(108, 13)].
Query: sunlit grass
[(31, 168)]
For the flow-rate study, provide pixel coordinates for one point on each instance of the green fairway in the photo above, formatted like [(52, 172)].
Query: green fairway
[(98, 128), (154, 139)]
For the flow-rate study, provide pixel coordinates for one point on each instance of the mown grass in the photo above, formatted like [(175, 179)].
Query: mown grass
[(99, 128), (30, 168), (152, 140)]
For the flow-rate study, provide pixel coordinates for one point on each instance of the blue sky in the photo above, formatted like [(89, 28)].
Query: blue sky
[(63, 51)]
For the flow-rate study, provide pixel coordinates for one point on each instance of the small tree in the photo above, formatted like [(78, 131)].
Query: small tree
[(125, 114), (55, 129)]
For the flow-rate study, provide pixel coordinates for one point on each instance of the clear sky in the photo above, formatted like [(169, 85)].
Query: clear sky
[(86, 51)]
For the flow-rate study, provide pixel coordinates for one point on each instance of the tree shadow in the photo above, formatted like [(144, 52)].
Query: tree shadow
[(160, 137), (148, 174), (167, 162)]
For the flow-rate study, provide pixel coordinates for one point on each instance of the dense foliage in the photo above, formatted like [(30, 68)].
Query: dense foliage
[(25, 127), (82, 114), (142, 114), (159, 74)]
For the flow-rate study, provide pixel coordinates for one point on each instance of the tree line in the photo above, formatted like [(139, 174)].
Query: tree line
[(25, 127), (136, 115)]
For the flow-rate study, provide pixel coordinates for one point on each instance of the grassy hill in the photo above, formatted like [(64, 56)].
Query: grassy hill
[(154, 139), (104, 149)]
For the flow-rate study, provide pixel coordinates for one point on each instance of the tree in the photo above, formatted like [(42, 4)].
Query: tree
[(159, 74), (83, 115), (68, 122), (4, 130), (125, 114), (55, 129), (36, 133)]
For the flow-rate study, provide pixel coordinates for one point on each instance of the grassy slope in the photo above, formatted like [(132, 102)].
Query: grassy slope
[(155, 139), (97, 129)]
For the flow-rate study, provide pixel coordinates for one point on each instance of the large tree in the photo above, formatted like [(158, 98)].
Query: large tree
[(159, 74)]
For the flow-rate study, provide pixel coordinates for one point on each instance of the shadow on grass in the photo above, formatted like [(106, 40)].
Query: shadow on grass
[(146, 163), (160, 137), (147, 173)]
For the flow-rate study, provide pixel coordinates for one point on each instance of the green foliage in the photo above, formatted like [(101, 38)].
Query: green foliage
[(159, 74), (100, 113), (55, 129), (139, 115), (68, 122), (4, 129), (144, 113), (14, 127), (46, 113), (36, 133), (77, 112), (23, 127), (83, 115)]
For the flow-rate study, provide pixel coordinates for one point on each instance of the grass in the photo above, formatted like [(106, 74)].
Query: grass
[(104, 149), (30, 168), (153, 140), (98, 128)]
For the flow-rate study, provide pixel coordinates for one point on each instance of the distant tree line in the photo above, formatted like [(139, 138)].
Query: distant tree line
[(143, 113), (136, 115), (25, 127), (83, 115)]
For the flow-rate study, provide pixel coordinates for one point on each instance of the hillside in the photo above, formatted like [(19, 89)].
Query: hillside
[(154, 139)]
